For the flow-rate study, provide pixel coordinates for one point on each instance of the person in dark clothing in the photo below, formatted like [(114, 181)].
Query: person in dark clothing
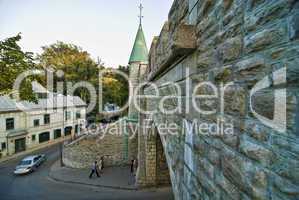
[(132, 166), (94, 169)]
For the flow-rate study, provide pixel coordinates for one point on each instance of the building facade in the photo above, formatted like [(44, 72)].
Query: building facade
[(25, 125)]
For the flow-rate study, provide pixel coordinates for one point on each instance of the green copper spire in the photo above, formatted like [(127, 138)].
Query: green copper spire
[(140, 51)]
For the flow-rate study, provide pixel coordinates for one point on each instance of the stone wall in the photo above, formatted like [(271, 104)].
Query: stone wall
[(114, 146), (222, 41), (163, 177)]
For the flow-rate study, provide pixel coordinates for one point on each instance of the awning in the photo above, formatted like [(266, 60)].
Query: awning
[(16, 133)]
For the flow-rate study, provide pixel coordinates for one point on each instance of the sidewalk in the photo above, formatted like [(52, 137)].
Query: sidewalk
[(115, 177)]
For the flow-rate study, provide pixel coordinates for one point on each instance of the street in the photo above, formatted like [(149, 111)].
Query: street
[(38, 185)]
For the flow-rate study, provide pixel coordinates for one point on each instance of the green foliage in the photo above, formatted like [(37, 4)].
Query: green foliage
[(13, 62), (77, 66), (74, 62), (116, 88)]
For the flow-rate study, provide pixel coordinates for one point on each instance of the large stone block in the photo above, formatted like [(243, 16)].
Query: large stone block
[(223, 74), (231, 190), (207, 60), (281, 144), (294, 27), (266, 38), (284, 52), (292, 66), (257, 130), (256, 151), (230, 49), (245, 175), (267, 14), (235, 101), (251, 70), (173, 45), (289, 190), (287, 167), (233, 12)]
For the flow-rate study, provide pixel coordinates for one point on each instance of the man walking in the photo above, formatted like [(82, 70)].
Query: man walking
[(94, 169)]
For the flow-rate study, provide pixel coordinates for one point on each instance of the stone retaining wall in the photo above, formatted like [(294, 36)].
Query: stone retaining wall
[(82, 153)]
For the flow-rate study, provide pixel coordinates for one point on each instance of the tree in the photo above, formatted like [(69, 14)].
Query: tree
[(77, 66), (13, 62), (74, 62)]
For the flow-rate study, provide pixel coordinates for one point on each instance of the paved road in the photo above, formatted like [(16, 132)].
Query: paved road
[(39, 186)]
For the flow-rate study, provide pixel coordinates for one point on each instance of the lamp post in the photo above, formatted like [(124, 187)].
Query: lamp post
[(61, 144)]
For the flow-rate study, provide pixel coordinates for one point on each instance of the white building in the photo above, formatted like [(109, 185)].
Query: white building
[(25, 125)]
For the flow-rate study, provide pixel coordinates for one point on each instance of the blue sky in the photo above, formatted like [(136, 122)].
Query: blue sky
[(104, 28)]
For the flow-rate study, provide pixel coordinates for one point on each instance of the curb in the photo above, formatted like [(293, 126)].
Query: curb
[(51, 176)]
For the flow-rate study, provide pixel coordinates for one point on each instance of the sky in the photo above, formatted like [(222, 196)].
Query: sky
[(104, 28)]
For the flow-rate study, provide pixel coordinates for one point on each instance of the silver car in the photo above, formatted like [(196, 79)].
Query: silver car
[(29, 164)]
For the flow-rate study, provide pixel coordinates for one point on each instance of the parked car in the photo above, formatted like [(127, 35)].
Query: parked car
[(29, 164)]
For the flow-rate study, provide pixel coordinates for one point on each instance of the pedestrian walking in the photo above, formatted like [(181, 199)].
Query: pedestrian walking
[(101, 165), (94, 169), (132, 166)]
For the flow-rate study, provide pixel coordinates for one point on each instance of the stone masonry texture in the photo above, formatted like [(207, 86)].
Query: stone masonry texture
[(222, 41), (113, 146)]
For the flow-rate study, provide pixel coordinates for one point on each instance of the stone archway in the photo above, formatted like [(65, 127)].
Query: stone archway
[(162, 171), (153, 168)]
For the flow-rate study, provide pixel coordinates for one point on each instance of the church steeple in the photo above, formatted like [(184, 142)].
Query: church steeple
[(140, 51)]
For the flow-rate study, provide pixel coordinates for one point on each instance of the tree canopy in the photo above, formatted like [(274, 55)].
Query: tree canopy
[(13, 62), (78, 65)]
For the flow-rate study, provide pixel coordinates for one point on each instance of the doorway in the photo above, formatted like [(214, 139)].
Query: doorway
[(20, 145)]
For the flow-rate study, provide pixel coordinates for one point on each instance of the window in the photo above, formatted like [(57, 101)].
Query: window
[(33, 138), (78, 115), (3, 145), (67, 115), (10, 124), (57, 133), (35, 159), (76, 129), (47, 119), (68, 130), (36, 122), (25, 162), (44, 137)]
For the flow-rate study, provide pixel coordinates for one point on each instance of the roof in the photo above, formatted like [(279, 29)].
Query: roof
[(140, 51), (54, 101), (7, 104), (30, 157)]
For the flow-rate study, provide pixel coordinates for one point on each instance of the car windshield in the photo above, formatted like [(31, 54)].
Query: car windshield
[(25, 162)]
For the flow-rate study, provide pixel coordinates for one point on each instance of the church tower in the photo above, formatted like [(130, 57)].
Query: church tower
[(138, 63)]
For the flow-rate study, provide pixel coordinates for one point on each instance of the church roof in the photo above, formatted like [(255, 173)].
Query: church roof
[(140, 51)]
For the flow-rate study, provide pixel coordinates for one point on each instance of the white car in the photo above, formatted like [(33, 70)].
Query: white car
[(29, 164)]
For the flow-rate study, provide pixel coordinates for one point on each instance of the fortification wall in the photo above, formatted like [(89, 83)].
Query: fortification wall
[(222, 41)]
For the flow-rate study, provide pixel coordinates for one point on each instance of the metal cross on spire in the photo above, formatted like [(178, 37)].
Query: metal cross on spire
[(140, 15)]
